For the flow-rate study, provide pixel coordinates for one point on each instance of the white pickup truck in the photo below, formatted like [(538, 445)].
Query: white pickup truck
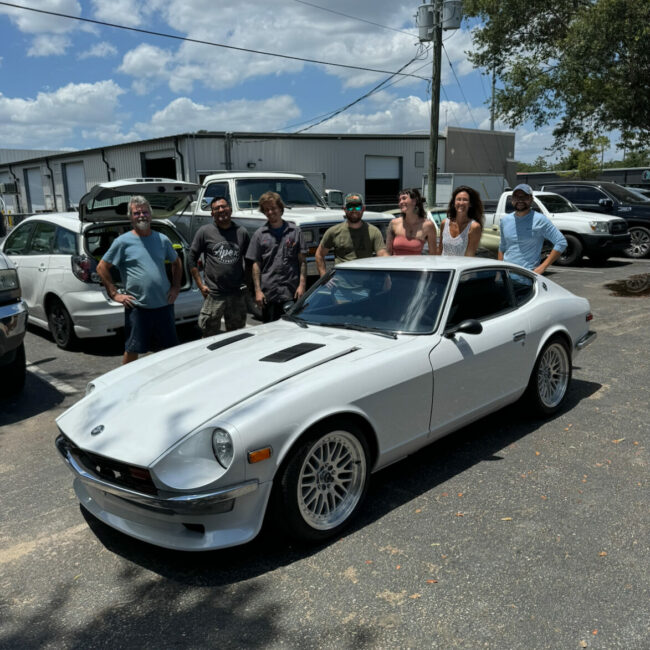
[(242, 190), (595, 235)]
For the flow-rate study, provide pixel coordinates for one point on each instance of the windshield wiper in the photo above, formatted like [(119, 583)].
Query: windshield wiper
[(294, 319), (361, 328)]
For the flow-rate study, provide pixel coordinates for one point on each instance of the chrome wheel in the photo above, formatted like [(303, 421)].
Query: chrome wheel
[(331, 480), (553, 375), (639, 243)]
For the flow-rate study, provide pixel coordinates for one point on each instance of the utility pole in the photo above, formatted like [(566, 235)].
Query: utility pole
[(431, 20)]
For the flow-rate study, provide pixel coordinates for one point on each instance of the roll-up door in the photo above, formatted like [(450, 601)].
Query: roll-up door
[(74, 181), (383, 180), (34, 187)]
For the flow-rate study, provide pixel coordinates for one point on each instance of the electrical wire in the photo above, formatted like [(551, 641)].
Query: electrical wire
[(201, 42)]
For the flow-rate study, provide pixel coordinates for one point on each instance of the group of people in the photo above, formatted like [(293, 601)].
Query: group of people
[(276, 257)]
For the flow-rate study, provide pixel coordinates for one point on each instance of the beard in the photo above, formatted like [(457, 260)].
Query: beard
[(142, 225), (354, 217)]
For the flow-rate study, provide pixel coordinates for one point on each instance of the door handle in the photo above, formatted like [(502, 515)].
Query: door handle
[(519, 336)]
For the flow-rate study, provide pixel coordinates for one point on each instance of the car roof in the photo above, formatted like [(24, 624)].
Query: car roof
[(69, 220), (424, 263), (218, 176)]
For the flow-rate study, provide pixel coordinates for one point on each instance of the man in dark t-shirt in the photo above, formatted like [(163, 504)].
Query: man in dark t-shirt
[(223, 245)]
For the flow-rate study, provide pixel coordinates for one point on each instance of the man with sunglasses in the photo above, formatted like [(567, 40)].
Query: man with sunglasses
[(148, 298), (352, 239)]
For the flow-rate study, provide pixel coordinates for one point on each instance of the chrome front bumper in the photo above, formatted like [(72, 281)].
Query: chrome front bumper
[(213, 502)]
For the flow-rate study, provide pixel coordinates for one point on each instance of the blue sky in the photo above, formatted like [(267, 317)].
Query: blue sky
[(67, 84)]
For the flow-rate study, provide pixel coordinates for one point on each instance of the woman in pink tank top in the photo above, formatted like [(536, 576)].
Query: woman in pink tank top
[(408, 233)]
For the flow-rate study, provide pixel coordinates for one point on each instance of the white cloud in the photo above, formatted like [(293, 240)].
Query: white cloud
[(31, 22), (147, 64), (53, 118), (184, 115), (120, 12), (100, 50), (49, 45)]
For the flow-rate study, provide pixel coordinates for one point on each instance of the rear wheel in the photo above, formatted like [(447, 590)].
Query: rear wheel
[(324, 482), (551, 376), (61, 326), (639, 242), (572, 253)]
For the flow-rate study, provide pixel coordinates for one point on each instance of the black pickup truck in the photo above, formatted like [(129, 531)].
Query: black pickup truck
[(611, 198)]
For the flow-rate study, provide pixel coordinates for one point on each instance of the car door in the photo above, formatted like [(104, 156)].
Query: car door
[(474, 372), (36, 265), (16, 247)]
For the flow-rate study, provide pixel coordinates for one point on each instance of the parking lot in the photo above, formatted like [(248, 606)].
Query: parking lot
[(512, 533)]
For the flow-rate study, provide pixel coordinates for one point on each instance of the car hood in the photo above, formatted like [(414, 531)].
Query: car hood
[(583, 214), (110, 201), (148, 406)]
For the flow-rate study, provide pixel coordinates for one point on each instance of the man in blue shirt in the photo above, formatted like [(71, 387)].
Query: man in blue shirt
[(148, 298), (524, 231)]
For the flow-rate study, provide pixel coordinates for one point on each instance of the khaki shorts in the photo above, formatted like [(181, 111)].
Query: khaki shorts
[(232, 308)]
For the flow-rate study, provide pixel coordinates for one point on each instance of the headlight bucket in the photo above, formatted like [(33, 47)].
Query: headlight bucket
[(599, 226), (222, 447)]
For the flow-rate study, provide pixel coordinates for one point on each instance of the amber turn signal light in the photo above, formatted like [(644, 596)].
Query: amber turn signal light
[(259, 455)]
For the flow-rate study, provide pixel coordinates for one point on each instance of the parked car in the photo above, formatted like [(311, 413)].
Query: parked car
[(611, 198), (13, 318), (189, 448), (57, 254)]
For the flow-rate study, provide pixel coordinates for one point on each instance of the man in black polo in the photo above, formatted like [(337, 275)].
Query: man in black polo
[(278, 253)]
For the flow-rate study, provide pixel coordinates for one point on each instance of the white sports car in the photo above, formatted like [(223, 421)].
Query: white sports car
[(188, 448)]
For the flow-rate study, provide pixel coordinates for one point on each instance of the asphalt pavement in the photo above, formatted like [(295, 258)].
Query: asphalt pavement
[(511, 533)]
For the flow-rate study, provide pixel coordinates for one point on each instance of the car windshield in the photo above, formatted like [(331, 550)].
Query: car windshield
[(109, 203), (556, 203), (376, 300), (294, 191), (623, 194)]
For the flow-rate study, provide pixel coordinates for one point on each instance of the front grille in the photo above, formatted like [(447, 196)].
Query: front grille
[(112, 471), (618, 227)]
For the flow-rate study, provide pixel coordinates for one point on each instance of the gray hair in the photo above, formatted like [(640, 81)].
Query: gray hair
[(139, 201)]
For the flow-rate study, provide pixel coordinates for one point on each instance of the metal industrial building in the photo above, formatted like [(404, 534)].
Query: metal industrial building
[(377, 165)]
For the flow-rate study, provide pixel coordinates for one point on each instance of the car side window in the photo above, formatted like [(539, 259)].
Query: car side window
[(19, 238), (588, 195), (215, 191), (42, 239), (65, 242), (480, 295), (523, 287)]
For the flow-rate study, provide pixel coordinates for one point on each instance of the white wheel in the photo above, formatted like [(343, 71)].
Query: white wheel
[(551, 377)]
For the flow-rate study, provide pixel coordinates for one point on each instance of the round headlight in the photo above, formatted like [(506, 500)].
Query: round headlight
[(222, 447)]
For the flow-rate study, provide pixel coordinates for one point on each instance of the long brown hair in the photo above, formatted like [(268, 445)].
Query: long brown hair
[(475, 204)]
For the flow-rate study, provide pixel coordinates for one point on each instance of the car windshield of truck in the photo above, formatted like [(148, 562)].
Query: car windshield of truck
[(624, 195), (294, 192), (556, 203), (375, 300)]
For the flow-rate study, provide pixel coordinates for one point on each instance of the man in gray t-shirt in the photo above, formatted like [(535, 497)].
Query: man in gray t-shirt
[(223, 245)]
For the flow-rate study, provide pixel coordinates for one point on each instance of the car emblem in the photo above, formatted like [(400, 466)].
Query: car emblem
[(97, 430)]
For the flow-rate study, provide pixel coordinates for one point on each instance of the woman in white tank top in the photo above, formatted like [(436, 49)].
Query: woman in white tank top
[(460, 232)]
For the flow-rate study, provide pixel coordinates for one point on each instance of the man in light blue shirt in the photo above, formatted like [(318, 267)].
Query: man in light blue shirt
[(523, 233)]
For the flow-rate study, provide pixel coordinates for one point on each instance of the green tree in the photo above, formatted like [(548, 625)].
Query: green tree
[(583, 65), (539, 165)]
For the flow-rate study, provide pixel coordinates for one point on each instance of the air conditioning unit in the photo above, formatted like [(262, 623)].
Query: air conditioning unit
[(8, 188)]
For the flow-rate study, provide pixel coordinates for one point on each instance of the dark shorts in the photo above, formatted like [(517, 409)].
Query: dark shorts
[(149, 329)]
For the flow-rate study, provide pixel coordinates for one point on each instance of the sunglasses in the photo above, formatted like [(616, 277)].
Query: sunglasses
[(353, 208)]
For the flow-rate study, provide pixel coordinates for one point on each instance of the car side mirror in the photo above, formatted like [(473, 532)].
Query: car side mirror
[(608, 204), (469, 326)]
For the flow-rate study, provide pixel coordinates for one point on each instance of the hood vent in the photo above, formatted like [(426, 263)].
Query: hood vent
[(233, 339), (291, 353)]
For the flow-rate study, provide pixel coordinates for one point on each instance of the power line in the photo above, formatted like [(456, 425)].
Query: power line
[(363, 20), (201, 42)]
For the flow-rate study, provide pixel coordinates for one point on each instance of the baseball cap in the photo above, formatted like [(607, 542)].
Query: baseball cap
[(525, 188), (353, 199)]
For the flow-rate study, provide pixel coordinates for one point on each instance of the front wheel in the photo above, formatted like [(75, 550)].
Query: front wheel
[(639, 242), (61, 326), (551, 376), (324, 482)]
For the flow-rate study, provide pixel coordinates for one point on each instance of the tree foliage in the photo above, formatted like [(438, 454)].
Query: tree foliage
[(583, 65)]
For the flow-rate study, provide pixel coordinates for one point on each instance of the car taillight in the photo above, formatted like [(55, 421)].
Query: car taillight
[(82, 267), (590, 316)]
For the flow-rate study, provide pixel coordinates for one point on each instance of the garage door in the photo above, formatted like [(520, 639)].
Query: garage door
[(383, 180), (34, 187), (74, 182)]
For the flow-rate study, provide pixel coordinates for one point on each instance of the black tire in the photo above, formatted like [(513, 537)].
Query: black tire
[(13, 374), (61, 326), (322, 485), (572, 253), (639, 243), (551, 376)]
